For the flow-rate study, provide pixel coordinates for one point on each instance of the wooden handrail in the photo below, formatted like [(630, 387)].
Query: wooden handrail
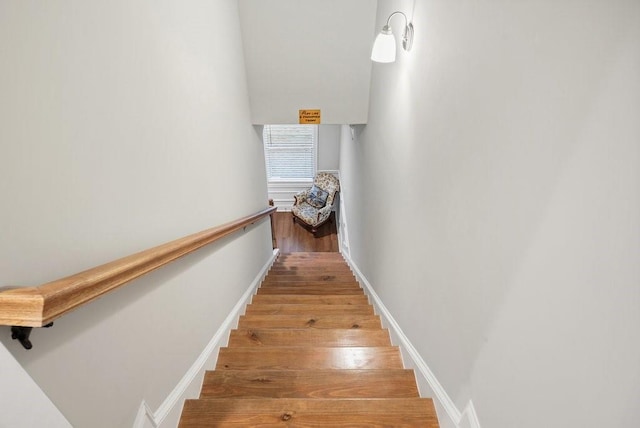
[(39, 306)]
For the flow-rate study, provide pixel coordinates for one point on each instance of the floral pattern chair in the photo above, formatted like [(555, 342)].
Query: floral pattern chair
[(312, 207)]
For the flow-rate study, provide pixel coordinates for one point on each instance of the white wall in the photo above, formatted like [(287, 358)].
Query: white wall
[(306, 54), (23, 402), (328, 147), (125, 125), (493, 201)]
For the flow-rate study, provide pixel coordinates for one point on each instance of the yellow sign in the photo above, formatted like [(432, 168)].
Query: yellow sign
[(309, 117)]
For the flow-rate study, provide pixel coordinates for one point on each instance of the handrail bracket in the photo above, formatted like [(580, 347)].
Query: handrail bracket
[(21, 334)]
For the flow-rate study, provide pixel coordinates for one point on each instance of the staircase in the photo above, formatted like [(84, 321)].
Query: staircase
[(310, 352)]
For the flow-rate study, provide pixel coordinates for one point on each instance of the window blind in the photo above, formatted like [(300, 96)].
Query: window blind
[(290, 152)]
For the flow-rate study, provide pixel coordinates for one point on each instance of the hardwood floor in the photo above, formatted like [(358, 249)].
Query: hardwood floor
[(292, 237)]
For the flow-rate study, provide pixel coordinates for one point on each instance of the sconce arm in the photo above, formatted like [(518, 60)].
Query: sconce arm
[(407, 35)]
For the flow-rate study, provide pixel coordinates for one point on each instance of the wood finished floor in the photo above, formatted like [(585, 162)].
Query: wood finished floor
[(292, 237)]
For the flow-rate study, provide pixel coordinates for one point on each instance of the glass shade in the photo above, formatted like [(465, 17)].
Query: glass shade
[(384, 48)]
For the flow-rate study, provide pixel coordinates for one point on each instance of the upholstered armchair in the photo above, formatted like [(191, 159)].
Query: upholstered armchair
[(312, 207)]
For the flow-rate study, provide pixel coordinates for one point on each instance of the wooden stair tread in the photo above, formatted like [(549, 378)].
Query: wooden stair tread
[(311, 299), (314, 273), (303, 266), (398, 383), (308, 309), (300, 287), (294, 270), (309, 337), (372, 412), (319, 260), (318, 257), (311, 279), (311, 283), (324, 256), (309, 321), (324, 286), (310, 290), (301, 262), (295, 358), (321, 405)]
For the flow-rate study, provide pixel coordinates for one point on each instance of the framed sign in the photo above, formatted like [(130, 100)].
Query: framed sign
[(309, 117)]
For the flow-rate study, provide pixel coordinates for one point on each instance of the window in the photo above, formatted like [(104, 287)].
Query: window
[(290, 152)]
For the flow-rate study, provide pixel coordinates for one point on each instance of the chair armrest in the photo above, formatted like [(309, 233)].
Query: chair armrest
[(324, 213), (301, 196)]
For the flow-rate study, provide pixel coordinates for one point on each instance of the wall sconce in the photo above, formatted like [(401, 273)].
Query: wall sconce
[(384, 48)]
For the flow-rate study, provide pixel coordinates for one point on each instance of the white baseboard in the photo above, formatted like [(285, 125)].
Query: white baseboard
[(469, 417), (466, 419), (341, 214), (146, 417), (283, 204)]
